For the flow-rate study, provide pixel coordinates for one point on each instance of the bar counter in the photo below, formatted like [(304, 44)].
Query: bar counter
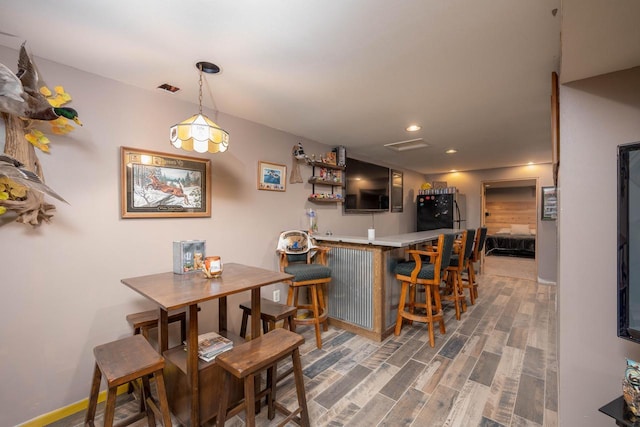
[(364, 293)]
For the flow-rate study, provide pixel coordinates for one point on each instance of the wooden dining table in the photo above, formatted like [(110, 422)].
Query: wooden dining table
[(170, 291)]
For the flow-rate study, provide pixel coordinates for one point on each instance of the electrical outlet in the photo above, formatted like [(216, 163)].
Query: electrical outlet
[(276, 295)]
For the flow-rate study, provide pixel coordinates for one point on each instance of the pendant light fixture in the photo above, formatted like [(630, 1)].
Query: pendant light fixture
[(199, 133)]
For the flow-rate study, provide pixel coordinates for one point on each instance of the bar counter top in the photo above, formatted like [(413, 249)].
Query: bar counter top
[(396, 241)]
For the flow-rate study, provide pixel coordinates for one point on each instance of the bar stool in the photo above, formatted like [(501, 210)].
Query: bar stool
[(247, 361), (270, 313), (427, 274), (142, 322), (472, 285), (300, 257), (122, 362), (457, 264)]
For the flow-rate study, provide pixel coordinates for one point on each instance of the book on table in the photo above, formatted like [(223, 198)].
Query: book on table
[(211, 344)]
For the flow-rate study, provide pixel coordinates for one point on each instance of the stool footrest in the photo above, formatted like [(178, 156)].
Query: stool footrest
[(290, 416)]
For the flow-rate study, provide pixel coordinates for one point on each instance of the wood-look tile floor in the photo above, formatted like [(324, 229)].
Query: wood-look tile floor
[(495, 367)]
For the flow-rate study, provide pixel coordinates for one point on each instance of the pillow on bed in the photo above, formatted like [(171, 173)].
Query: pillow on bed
[(533, 231), (520, 229), (504, 231)]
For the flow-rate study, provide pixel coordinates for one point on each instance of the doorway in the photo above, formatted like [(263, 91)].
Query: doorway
[(509, 211)]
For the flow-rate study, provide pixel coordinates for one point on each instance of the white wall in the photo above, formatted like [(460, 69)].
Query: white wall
[(470, 184), (596, 115), (61, 289)]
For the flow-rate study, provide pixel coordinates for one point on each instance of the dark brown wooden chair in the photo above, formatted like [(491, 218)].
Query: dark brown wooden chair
[(124, 361), (427, 273), (248, 360), (478, 246), (457, 264)]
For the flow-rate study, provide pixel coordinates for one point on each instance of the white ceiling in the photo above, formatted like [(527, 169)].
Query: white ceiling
[(476, 75)]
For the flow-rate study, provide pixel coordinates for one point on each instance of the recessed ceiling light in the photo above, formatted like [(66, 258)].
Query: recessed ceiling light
[(530, 163), (413, 128), (453, 170), (451, 151)]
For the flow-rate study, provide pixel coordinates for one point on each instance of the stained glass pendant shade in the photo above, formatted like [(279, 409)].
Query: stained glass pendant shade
[(199, 133)]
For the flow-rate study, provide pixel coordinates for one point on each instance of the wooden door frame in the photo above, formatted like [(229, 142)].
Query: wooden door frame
[(483, 188)]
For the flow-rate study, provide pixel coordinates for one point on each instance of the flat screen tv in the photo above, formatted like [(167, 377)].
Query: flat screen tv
[(366, 187), (629, 241)]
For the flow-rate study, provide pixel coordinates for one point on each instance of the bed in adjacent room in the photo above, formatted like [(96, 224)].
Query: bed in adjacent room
[(519, 240)]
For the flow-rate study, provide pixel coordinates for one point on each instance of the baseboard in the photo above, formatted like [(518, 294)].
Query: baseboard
[(545, 282), (69, 410)]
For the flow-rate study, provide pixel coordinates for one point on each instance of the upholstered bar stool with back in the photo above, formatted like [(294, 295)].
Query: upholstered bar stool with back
[(427, 273), (478, 247), (300, 257), (458, 263)]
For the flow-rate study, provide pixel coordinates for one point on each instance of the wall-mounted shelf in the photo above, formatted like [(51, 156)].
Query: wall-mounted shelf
[(328, 175), (318, 181), (325, 199), (326, 165)]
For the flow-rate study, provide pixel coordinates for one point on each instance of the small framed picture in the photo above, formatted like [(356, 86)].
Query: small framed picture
[(272, 176)]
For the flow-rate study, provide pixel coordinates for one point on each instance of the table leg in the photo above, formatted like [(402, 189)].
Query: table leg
[(222, 314), (255, 313), (255, 333), (192, 363), (163, 330)]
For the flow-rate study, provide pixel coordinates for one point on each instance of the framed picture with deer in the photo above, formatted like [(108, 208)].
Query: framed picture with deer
[(162, 185)]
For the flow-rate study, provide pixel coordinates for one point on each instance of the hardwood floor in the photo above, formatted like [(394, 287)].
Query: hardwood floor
[(495, 367)]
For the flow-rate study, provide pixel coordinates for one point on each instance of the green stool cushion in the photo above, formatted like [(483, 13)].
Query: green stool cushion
[(304, 272)]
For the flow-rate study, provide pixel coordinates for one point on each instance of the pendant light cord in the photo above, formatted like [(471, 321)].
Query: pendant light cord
[(200, 93)]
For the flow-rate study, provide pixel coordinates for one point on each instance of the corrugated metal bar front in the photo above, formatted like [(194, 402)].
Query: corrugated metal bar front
[(392, 286), (351, 293)]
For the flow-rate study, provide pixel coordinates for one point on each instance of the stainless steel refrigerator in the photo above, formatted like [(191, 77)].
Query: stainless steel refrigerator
[(440, 211)]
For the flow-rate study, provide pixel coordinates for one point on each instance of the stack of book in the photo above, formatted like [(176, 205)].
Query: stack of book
[(211, 344)]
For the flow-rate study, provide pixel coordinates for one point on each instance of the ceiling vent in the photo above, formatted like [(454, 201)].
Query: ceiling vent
[(411, 144), (169, 88)]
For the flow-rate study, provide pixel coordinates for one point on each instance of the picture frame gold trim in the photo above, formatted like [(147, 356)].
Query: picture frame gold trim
[(272, 176), (163, 185)]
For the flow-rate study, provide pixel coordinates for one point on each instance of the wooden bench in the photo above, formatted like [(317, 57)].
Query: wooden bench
[(247, 361)]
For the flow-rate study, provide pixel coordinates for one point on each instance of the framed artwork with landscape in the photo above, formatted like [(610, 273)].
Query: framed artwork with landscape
[(161, 185), (272, 176)]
